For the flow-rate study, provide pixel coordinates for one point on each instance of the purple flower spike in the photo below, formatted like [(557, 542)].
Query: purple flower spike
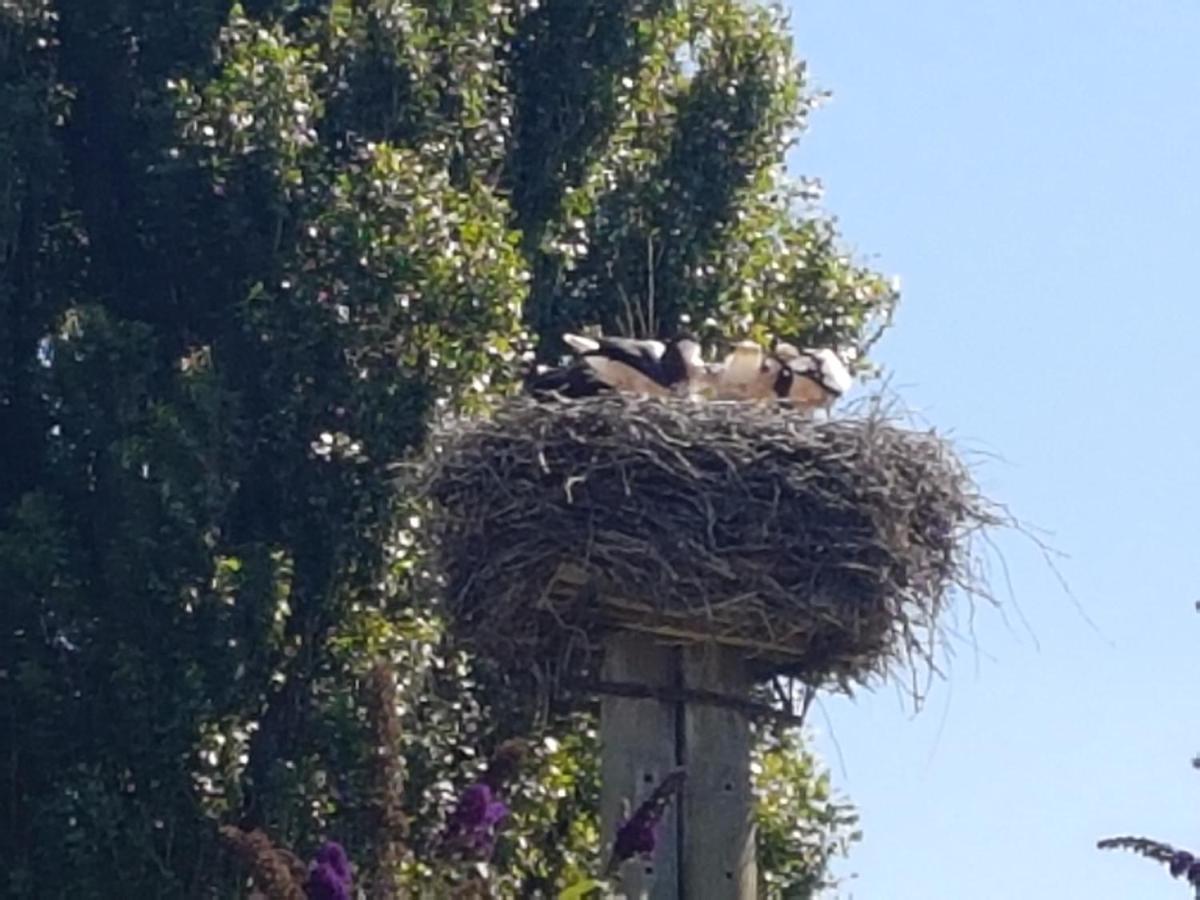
[(635, 838), (636, 835), (332, 854), (473, 806), (324, 883), (471, 829), (1180, 863), (329, 878)]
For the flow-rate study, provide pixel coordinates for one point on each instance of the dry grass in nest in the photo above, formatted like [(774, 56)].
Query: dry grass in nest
[(826, 549)]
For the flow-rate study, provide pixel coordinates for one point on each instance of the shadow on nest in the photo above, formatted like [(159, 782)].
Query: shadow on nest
[(826, 550)]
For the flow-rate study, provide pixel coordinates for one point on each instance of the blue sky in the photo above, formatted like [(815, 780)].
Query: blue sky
[(1030, 170)]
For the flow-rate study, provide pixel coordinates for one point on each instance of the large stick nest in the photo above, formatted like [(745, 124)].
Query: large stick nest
[(823, 549)]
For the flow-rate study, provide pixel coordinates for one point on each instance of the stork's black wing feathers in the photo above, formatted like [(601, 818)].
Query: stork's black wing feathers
[(571, 382), (630, 352), (673, 367)]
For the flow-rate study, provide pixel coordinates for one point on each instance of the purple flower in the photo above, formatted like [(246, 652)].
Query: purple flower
[(324, 883), (635, 837), (471, 828), (329, 878), (1180, 863), (332, 854)]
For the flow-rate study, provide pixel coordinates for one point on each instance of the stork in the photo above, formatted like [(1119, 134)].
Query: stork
[(646, 367), (746, 374), (571, 382), (684, 370), (817, 377), (627, 365)]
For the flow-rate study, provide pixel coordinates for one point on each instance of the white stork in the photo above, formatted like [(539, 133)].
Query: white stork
[(627, 365), (814, 378), (646, 367), (746, 374)]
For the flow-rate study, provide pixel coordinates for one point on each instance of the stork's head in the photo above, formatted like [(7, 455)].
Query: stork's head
[(786, 353), (810, 379)]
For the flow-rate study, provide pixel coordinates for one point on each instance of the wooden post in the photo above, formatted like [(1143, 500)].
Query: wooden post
[(708, 854), (717, 842), (638, 748)]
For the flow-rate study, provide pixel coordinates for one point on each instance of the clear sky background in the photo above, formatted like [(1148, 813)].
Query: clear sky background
[(1030, 170)]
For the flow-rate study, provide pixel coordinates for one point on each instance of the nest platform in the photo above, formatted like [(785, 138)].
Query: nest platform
[(826, 550)]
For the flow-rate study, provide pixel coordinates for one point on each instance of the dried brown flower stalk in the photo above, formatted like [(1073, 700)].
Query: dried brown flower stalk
[(277, 873), (386, 798)]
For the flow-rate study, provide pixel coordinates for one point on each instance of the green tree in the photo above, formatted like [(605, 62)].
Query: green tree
[(248, 250)]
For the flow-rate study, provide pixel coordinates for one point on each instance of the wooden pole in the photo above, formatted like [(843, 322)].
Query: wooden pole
[(638, 749), (705, 847), (717, 833)]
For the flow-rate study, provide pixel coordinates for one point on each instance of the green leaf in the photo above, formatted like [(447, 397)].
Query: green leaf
[(581, 889)]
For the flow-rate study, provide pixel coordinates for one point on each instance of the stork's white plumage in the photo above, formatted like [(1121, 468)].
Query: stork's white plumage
[(582, 344), (744, 362), (820, 376), (745, 374)]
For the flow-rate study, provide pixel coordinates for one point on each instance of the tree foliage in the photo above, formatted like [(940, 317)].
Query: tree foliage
[(247, 251)]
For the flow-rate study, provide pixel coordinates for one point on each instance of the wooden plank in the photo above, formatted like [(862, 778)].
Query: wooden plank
[(683, 628), (570, 581), (638, 749), (717, 842), (674, 695)]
